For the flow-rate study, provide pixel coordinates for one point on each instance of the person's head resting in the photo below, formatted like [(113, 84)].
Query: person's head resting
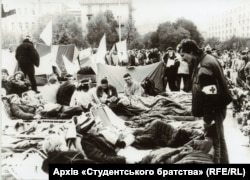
[(19, 76), (5, 74), (14, 99), (54, 143), (189, 50), (127, 78), (104, 83), (31, 98)]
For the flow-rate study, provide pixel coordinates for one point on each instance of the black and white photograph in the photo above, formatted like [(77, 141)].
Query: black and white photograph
[(131, 82)]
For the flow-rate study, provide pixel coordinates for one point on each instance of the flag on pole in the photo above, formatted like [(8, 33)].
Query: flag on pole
[(46, 35), (102, 50), (7, 13)]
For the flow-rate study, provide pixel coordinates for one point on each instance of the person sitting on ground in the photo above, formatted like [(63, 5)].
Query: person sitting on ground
[(49, 91), (84, 96), (132, 89), (66, 90), (6, 84), (106, 93), (19, 84)]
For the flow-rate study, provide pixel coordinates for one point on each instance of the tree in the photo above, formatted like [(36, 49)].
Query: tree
[(191, 28), (147, 40), (129, 32), (166, 35), (10, 39), (213, 42), (170, 35), (65, 30), (103, 23), (235, 43)]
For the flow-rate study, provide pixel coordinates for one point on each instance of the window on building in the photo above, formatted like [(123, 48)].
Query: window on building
[(20, 25), (25, 11), (79, 19), (19, 11), (13, 26), (26, 25), (89, 9)]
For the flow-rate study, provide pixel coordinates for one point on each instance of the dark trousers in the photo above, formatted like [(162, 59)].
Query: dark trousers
[(186, 82), (29, 71), (219, 142)]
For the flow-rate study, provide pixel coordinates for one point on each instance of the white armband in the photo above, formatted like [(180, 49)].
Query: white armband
[(210, 89)]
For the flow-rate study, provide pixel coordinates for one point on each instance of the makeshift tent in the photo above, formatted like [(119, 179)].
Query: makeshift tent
[(46, 63), (54, 57), (69, 51), (139, 73), (84, 55), (86, 58)]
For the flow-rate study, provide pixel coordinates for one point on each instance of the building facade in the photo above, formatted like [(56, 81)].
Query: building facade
[(28, 12), (234, 22)]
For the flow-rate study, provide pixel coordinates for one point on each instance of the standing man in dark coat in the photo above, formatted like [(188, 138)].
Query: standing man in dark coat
[(210, 93), (27, 56)]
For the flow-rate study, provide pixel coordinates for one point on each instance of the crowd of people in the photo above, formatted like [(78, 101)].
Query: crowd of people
[(204, 72)]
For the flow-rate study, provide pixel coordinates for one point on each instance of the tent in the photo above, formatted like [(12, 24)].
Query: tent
[(53, 56), (138, 73)]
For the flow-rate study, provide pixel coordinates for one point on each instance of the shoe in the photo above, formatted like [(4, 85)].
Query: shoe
[(37, 92)]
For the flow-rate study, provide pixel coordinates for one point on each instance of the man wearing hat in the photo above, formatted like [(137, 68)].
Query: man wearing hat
[(27, 56)]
